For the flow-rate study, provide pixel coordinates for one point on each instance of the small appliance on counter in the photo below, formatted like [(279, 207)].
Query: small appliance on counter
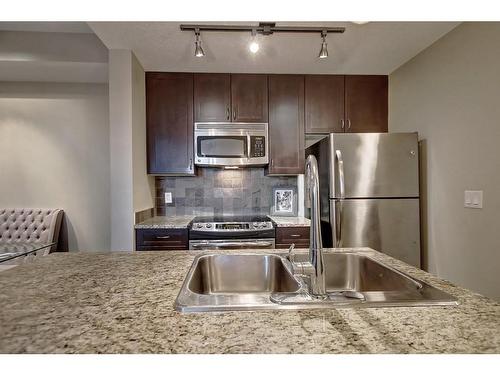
[(231, 232), (231, 144)]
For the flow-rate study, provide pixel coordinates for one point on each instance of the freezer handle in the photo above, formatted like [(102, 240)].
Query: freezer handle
[(338, 219)]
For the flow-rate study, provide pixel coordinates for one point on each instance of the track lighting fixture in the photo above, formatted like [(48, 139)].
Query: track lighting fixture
[(254, 46), (323, 54), (198, 49), (264, 28)]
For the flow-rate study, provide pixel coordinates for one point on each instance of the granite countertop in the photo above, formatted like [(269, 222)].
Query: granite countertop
[(166, 222), (123, 303), (290, 221)]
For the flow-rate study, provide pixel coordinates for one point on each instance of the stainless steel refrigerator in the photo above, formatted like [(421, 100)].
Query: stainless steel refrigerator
[(369, 188)]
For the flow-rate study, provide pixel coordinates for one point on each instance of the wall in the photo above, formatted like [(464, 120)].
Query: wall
[(219, 192), (450, 94), (131, 189), (143, 185), (54, 152), (52, 57)]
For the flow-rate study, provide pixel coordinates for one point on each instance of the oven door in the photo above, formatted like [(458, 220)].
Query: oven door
[(230, 144), (230, 244)]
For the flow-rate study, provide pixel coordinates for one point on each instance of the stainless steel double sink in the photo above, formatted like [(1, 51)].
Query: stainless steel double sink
[(257, 281)]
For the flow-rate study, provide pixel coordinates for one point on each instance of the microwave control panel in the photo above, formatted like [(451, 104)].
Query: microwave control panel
[(257, 146)]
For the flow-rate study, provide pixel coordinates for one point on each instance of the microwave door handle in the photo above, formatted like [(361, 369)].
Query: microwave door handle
[(249, 139)]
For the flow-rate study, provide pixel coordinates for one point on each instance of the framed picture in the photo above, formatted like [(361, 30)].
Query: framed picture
[(284, 201)]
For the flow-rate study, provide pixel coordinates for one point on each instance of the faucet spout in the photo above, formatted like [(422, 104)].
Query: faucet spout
[(318, 287)]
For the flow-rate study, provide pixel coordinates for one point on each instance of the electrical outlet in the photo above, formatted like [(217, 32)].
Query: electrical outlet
[(473, 199), (168, 197)]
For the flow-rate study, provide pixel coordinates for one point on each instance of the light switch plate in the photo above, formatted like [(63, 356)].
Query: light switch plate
[(168, 197), (473, 199)]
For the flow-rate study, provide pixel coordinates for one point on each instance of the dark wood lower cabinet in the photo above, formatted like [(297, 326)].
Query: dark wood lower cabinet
[(285, 236), (286, 124), (161, 239)]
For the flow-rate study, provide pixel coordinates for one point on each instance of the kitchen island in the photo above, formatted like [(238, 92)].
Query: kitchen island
[(122, 302)]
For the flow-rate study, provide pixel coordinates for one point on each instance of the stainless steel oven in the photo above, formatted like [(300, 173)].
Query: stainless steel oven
[(231, 232), (231, 144)]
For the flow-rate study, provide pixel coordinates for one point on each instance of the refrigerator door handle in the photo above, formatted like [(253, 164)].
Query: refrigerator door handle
[(338, 221), (340, 161)]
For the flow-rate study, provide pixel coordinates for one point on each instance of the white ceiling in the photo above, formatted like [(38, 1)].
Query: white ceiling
[(54, 27), (373, 48)]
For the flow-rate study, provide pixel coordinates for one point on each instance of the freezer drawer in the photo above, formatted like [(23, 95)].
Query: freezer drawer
[(391, 226)]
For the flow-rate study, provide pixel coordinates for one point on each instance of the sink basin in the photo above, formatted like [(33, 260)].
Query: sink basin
[(222, 274), (227, 282)]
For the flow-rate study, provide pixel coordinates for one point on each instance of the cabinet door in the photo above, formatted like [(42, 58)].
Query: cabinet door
[(324, 98), (212, 96), (249, 97), (169, 122), (286, 124), (366, 104)]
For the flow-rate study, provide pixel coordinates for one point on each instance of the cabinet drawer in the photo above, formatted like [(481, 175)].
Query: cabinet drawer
[(285, 236), (161, 239)]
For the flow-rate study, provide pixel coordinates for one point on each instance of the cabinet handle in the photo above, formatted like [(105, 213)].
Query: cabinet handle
[(272, 162), (234, 114), (228, 113), (342, 124), (162, 237), (295, 235), (191, 164), (348, 124)]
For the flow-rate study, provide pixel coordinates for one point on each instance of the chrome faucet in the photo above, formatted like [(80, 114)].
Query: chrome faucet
[(314, 267)]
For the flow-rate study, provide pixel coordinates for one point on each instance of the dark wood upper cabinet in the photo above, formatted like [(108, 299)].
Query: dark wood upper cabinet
[(286, 124), (324, 103), (249, 97), (212, 97), (169, 123), (366, 103)]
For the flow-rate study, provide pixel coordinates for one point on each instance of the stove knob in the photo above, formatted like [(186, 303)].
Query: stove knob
[(255, 225), (199, 226), (209, 225)]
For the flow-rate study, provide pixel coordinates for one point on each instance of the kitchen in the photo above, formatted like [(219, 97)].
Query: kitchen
[(249, 187)]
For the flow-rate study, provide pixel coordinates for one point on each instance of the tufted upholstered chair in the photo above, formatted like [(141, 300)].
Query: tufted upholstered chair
[(30, 225)]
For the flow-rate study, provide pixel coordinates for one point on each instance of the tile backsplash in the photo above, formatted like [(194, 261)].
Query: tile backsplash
[(219, 192)]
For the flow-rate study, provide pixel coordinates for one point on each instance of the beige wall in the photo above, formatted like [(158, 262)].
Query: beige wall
[(54, 152), (142, 183), (450, 94), (131, 189)]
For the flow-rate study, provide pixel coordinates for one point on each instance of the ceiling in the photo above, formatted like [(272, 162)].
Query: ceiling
[(52, 27), (372, 48)]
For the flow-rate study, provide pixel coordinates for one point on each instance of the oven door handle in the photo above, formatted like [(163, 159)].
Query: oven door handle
[(232, 244)]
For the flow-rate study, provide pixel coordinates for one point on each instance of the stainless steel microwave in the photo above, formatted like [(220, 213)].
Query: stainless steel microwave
[(231, 144)]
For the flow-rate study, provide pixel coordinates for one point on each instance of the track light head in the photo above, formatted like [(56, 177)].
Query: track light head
[(254, 46), (323, 53), (198, 49)]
